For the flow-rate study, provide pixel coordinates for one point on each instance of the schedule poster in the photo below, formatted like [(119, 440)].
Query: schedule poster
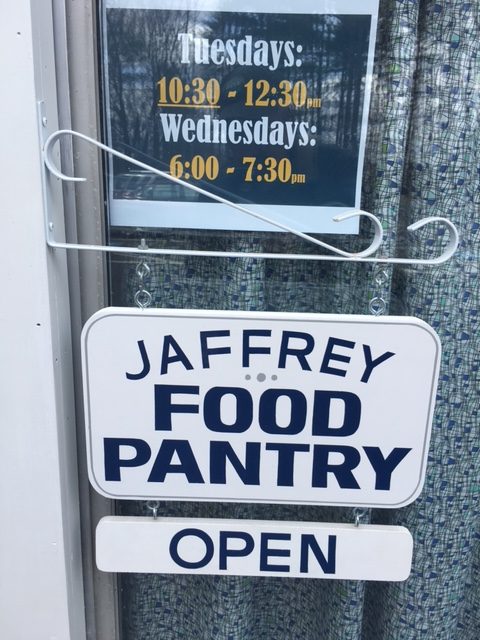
[(264, 104)]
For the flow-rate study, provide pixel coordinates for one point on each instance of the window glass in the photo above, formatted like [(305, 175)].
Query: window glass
[(421, 159)]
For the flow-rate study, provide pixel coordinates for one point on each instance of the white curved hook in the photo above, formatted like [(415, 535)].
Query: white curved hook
[(378, 238), (50, 164), (453, 239)]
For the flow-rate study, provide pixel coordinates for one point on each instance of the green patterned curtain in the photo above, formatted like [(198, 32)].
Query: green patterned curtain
[(423, 158)]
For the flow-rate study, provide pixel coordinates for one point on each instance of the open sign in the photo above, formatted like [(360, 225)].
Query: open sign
[(253, 548)]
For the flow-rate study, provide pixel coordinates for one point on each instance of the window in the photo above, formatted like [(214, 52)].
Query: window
[(421, 159)]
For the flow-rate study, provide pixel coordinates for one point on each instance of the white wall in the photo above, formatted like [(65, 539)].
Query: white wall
[(40, 568)]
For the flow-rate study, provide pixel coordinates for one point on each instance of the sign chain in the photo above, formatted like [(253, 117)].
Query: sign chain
[(143, 297), (377, 307), (152, 505)]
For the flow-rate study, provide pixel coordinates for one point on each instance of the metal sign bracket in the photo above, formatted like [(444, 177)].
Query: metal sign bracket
[(338, 255)]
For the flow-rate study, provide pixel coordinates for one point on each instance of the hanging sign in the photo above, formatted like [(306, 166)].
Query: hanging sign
[(258, 407), (253, 548), (264, 104)]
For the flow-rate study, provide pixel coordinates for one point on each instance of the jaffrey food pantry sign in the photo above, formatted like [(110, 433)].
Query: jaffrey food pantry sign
[(264, 104), (258, 407)]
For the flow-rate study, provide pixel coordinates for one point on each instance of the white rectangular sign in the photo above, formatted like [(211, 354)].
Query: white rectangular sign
[(258, 407), (253, 548)]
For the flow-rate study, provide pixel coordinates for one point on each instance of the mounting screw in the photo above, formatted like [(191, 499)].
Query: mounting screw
[(44, 121), (50, 226)]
